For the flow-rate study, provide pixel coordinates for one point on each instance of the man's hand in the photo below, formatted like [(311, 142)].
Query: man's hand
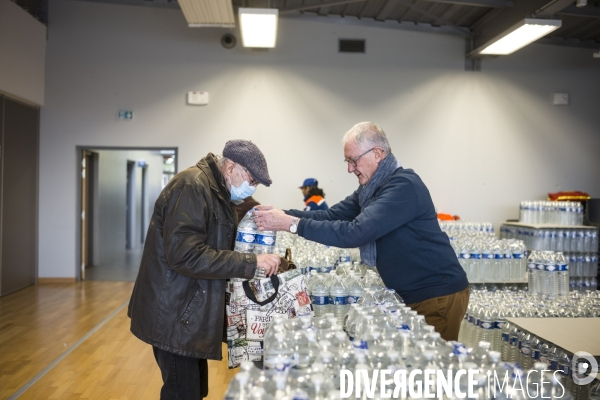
[(272, 220), (264, 207), (268, 262)]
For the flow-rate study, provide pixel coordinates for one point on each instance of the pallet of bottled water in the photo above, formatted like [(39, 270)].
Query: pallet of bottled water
[(577, 239), (484, 258), (551, 212)]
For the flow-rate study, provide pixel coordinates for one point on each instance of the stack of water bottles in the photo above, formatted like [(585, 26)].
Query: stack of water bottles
[(548, 274), (486, 320), (250, 240), (487, 311), (303, 357), (583, 271), (487, 259), (551, 212), (457, 228), (582, 239)]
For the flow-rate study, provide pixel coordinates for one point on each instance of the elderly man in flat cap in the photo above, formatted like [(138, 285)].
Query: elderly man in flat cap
[(178, 302)]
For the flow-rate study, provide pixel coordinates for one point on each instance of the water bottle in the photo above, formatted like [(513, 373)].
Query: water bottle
[(562, 268), (497, 264), (338, 296), (237, 387), (550, 281), (531, 276), (553, 358), (525, 356), (474, 262), (320, 299), (518, 261), (246, 234), (265, 242), (278, 357), (487, 257)]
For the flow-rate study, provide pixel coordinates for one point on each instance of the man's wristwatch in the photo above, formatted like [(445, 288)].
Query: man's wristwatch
[(294, 226)]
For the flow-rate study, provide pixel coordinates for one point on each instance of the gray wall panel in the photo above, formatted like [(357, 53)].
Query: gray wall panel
[(19, 196)]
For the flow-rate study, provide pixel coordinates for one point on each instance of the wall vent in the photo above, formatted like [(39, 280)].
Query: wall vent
[(352, 46)]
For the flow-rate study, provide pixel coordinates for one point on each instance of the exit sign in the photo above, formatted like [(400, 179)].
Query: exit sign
[(125, 114)]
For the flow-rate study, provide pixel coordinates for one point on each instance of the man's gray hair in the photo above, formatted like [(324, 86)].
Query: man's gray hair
[(369, 134)]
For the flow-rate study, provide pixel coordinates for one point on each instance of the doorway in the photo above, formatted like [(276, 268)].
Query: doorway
[(117, 186)]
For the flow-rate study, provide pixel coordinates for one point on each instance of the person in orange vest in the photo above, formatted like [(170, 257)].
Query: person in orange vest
[(314, 198)]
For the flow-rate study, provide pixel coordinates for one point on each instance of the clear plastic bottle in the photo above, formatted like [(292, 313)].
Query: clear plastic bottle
[(279, 357), (320, 299), (562, 268), (338, 296), (525, 355), (237, 387), (531, 272), (246, 234)]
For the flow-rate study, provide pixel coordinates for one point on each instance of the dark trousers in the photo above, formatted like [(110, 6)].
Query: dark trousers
[(445, 313), (184, 378)]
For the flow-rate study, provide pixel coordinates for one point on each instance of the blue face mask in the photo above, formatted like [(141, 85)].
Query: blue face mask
[(243, 191)]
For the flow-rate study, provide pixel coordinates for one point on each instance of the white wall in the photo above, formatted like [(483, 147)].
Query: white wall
[(22, 54), (110, 223), (482, 141)]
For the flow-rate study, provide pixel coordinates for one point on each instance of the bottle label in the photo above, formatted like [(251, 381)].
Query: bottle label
[(526, 350), (487, 325), (265, 240), (498, 256), (340, 301), (562, 267), (550, 267), (487, 256), (245, 237), (540, 266), (403, 327), (554, 365), (508, 256), (565, 370), (535, 354), (360, 344), (498, 324), (543, 359), (465, 255), (518, 256), (345, 258), (476, 256), (353, 299), (326, 269), (514, 341), (531, 265), (505, 337), (321, 300), (471, 319)]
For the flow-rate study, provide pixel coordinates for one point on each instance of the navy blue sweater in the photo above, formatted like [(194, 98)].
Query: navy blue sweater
[(414, 256)]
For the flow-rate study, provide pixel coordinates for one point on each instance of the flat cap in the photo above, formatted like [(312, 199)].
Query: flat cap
[(245, 153)]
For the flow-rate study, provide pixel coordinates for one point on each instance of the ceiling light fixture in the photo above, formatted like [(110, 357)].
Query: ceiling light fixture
[(520, 35), (259, 26)]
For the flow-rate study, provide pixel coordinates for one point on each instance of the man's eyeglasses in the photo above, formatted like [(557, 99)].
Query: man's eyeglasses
[(253, 182), (353, 161)]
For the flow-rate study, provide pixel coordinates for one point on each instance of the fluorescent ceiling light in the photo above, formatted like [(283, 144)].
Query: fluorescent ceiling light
[(259, 26), (527, 31)]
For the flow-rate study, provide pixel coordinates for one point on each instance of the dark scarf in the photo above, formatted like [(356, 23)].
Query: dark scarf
[(368, 252)]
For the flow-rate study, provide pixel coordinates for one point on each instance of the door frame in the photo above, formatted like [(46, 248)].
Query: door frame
[(78, 209)]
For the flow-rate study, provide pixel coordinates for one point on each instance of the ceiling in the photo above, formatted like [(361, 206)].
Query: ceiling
[(476, 20)]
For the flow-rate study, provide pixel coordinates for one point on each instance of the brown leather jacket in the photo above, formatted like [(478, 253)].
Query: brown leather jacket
[(178, 302)]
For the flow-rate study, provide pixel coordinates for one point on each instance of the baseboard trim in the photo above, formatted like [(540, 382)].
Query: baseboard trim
[(57, 280)]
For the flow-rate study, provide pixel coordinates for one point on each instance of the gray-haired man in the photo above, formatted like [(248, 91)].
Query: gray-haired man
[(392, 219), (178, 302)]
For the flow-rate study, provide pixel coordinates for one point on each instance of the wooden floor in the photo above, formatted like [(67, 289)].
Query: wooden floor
[(41, 322)]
